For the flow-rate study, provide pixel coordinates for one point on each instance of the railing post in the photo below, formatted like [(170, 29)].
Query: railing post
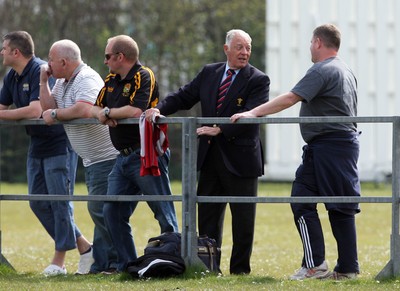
[(189, 153), (392, 268), (3, 260)]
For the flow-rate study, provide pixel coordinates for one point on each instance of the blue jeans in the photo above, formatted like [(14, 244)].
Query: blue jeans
[(55, 175), (104, 253), (125, 179)]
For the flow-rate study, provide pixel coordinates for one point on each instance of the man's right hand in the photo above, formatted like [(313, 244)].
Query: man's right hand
[(152, 114), (246, 114), (45, 73)]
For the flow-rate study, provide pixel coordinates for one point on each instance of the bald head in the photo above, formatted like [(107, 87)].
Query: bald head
[(64, 58), (67, 49)]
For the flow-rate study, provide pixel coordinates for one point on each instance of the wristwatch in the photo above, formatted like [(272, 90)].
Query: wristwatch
[(53, 114), (107, 112)]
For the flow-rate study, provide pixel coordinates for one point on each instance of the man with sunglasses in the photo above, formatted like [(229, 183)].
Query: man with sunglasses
[(129, 90)]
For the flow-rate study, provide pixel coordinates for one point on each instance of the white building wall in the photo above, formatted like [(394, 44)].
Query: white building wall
[(370, 35)]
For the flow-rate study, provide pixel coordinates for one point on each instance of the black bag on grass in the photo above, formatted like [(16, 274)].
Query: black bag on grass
[(167, 243), (159, 265), (162, 258)]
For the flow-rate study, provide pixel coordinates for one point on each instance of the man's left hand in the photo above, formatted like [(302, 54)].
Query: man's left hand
[(209, 130)]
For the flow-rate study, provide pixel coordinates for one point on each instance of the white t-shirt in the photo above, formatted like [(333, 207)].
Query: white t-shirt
[(90, 141)]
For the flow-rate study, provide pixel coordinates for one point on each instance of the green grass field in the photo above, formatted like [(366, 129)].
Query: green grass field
[(276, 255)]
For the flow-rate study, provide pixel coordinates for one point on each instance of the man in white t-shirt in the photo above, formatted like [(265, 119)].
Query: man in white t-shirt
[(72, 97)]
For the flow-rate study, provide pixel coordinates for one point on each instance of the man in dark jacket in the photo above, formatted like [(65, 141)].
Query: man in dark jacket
[(230, 157)]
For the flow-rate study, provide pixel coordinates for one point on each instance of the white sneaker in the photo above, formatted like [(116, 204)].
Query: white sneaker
[(319, 272), (85, 262), (54, 270), (300, 274)]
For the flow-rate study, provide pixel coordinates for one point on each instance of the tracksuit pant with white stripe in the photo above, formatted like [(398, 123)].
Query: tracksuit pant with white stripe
[(329, 168)]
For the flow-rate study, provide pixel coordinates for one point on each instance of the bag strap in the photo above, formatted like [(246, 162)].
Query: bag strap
[(210, 254)]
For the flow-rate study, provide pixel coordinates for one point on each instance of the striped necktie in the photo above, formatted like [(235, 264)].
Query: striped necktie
[(224, 87)]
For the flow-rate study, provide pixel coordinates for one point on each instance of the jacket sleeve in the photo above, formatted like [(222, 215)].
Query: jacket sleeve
[(184, 99), (258, 93)]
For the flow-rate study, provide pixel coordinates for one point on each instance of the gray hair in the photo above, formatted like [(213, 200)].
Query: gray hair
[(234, 32), (68, 49)]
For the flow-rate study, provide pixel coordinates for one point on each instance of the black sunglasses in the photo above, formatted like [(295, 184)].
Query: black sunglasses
[(108, 56)]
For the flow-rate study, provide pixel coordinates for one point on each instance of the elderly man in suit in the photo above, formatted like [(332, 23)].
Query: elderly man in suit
[(230, 157)]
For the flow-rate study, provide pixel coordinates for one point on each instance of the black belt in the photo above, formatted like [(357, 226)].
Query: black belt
[(127, 151)]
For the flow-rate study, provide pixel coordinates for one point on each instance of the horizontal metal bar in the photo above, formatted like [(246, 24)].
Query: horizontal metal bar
[(244, 199), (36, 197), (225, 120), (204, 199), (321, 119)]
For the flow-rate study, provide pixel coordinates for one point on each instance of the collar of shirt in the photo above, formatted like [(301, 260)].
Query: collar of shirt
[(131, 73), (226, 69), (26, 69)]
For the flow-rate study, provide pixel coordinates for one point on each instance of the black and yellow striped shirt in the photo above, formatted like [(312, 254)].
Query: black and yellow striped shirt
[(138, 89)]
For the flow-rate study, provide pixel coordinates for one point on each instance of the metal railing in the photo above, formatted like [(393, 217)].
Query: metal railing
[(189, 198)]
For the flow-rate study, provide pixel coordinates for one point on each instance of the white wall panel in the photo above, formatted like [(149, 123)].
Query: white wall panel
[(370, 36)]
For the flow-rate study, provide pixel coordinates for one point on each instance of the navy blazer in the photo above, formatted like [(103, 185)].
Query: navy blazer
[(240, 144)]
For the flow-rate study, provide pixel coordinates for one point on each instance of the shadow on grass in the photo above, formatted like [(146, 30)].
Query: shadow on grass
[(200, 274), (191, 273), (192, 279)]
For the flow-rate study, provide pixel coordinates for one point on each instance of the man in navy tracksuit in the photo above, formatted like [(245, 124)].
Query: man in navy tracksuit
[(329, 166)]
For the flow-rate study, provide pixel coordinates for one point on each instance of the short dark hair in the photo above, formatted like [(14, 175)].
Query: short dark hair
[(22, 41), (126, 45), (329, 34)]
